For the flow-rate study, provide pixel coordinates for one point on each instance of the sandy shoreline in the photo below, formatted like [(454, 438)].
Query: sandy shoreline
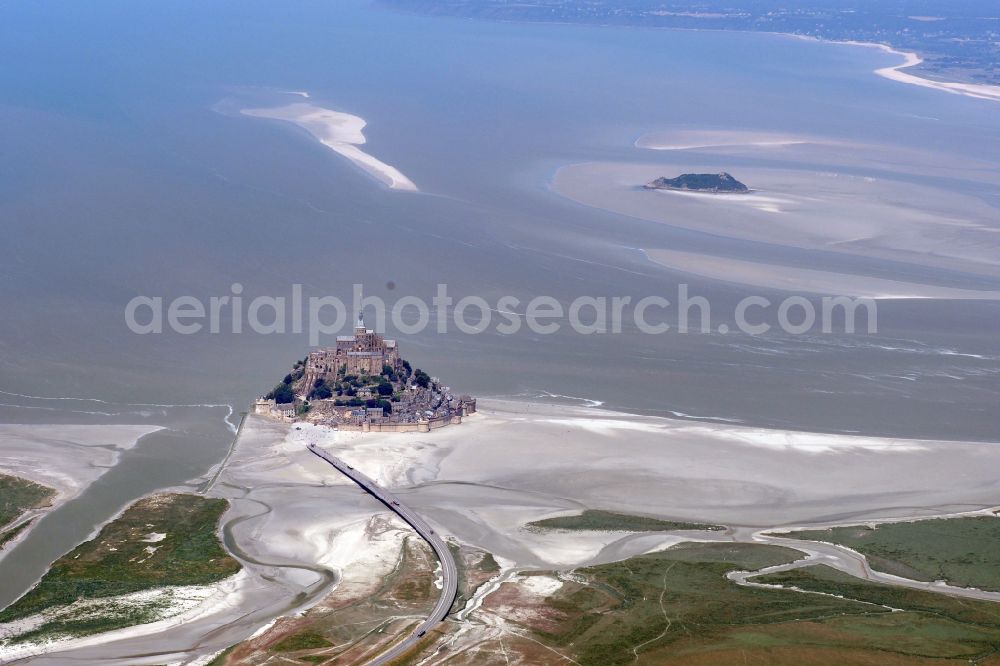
[(341, 133), (910, 59), (896, 73)]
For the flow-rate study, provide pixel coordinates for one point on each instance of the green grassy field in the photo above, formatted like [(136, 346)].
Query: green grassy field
[(306, 640), (934, 624), (621, 607), (608, 521), (163, 540), (18, 495), (677, 607), (962, 551)]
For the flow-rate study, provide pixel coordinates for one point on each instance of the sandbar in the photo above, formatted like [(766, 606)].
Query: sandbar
[(797, 279), (341, 133)]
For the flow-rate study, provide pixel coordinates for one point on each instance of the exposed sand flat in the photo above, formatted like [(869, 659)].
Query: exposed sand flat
[(824, 210), (299, 529), (817, 151), (516, 462), (340, 132), (791, 278), (66, 458)]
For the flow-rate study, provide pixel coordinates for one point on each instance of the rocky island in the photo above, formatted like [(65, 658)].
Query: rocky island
[(363, 384), (714, 183)]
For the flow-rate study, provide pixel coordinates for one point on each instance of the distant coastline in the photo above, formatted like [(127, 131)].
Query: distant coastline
[(985, 91), (911, 59)]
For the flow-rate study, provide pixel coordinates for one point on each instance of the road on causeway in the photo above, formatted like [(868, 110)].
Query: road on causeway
[(449, 587)]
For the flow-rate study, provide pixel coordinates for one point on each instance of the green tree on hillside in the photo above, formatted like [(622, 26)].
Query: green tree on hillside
[(282, 393)]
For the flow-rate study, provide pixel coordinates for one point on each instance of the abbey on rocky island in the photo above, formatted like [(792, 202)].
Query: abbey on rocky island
[(363, 383)]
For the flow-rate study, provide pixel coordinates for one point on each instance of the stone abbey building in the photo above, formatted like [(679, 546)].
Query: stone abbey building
[(364, 353)]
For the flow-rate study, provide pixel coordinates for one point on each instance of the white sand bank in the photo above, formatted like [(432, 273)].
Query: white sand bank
[(701, 139), (341, 133), (791, 278)]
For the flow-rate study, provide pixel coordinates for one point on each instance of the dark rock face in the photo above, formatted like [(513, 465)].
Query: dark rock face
[(699, 182)]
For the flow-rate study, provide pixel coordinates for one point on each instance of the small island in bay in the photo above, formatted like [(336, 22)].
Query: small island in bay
[(714, 183)]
